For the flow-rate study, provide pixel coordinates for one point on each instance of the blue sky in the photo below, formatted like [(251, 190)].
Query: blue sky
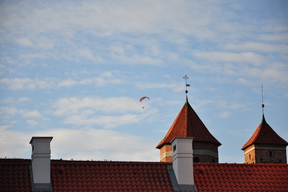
[(76, 71)]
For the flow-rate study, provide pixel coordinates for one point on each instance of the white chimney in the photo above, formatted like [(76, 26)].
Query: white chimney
[(183, 162), (40, 171)]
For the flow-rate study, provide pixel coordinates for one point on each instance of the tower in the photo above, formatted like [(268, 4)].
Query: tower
[(188, 124), (265, 146)]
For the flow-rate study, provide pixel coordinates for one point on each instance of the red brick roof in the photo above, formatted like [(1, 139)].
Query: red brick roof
[(144, 176), (188, 124), (264, 134)]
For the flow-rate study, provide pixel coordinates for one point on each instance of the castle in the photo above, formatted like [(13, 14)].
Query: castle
[(264, 146), (188, 162)]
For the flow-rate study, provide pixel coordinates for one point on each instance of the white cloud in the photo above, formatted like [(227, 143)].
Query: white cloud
[(88, 54), (258, 47), (107, 105), (67, 83), (32, 122), (280, 37), (31, 114), (9, 110), (229, 105), (81, 145), (92, 111), (105, 121), (217, 56), (24, 41), (23, 99), (107, 18), (32, 84), (224, 114), (24, 113), (8, 100), (177, 87), (25, 83)]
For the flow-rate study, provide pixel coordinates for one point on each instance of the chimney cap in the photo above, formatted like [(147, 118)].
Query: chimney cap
[(181, 138), (40, 137)]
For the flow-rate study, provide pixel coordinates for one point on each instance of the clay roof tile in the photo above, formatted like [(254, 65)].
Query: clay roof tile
[(264, 134), (188, 124)]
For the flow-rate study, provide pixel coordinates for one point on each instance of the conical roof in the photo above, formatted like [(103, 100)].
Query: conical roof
[(188, 124), (264, 134)]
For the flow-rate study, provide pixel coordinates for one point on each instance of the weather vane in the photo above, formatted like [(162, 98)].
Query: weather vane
[(186, 84)]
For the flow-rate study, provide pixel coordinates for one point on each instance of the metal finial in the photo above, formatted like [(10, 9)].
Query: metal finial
[(262, 100), (186, 85)]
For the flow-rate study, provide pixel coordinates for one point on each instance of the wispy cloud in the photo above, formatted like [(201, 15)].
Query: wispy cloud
[(113, 104), (249, 57), (23, 113), (224, 114), (81, 64), (25, 83), (177, 87), (85, 111), (48, 83), (258, 47), (69, 144), (31, 114)]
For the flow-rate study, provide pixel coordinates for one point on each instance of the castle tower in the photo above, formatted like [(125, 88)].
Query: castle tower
[(188, 124), (265, 146)]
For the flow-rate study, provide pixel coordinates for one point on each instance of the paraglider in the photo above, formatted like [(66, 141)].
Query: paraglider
[(142, 98)]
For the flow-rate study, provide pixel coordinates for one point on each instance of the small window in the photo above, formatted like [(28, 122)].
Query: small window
[(174, 148), (270, 154), (196, 159)]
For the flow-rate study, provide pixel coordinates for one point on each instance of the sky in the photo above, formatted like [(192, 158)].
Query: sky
[(75, 70)]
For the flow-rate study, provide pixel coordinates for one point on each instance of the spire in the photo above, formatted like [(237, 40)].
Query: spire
[(264, 134), (263, 119)]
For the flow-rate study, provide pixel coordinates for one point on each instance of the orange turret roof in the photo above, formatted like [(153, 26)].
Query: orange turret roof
[(264, 134), (188, 124)]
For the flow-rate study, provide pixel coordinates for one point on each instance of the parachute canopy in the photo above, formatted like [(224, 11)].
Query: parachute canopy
[(145, 97)]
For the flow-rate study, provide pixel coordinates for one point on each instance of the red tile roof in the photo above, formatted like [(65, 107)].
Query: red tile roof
[(241, 177), (144, 176), (89, 176), (264, 134), (188, 124), (15, 175)]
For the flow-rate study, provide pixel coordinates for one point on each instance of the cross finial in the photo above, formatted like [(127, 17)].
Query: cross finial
[(186, 85)]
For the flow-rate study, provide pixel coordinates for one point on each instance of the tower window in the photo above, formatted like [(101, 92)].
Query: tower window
[(174, 148), (270, 154)]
